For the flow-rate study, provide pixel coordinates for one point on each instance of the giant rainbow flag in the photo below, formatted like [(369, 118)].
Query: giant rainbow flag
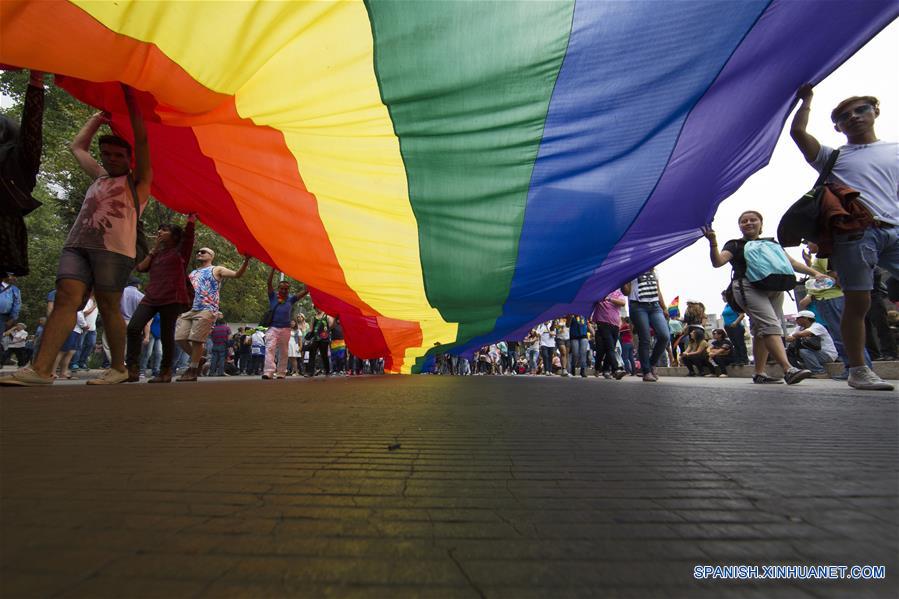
[(447, 173)]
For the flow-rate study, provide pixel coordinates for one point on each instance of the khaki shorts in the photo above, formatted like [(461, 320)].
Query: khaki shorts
[(194, 325), (764, 308)]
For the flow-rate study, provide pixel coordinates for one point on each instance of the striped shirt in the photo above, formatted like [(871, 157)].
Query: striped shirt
[(645, 288)]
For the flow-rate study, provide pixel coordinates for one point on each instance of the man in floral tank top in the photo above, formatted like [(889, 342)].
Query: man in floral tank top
[(194, 326)]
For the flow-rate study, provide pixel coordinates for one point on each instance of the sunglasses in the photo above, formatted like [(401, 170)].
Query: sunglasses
[(858, 111), (203, 252)]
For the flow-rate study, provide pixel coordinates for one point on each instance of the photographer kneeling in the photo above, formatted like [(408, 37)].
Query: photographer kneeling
[(812, 343)]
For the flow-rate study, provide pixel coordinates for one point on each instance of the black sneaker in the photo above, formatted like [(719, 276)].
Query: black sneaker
[(795, 375), (764, 379)]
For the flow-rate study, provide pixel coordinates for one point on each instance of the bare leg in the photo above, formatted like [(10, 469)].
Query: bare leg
[(64, 371), (196, 352), (69, 295), (108, 302), (775, 347), (760, 353), (853, 325)]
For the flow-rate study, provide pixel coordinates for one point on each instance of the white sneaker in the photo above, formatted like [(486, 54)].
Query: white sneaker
[(110, 377), (865, 379)]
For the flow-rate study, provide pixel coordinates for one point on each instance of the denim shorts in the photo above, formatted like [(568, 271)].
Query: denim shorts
[(855, 256), (100, 269), (72, 342)]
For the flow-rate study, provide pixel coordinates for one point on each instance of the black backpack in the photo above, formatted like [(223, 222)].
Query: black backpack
[(802, 219)]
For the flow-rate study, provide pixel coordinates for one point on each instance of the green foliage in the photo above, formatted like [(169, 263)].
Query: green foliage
[(62, 186)]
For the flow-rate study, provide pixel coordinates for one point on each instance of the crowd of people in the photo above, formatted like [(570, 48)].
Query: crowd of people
[(175, 327)]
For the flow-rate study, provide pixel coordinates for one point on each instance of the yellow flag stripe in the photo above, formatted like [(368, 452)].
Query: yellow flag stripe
[(306, 69)]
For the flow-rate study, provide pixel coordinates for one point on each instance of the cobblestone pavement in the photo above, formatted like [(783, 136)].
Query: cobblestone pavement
[(444, 487)]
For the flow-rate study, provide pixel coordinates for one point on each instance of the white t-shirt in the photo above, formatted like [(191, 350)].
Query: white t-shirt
[(546, 337), (258, 343), (17, 339), (818, 330), (80, 322), (873, 171), (91, 319)]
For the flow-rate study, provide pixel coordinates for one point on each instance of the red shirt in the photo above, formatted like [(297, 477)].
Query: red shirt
[(168, 278)]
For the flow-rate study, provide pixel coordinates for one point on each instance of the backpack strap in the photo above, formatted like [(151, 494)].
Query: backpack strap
[(133, 188), (828, 167)]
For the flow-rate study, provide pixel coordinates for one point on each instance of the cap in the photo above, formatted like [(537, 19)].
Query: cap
[(806, 314)]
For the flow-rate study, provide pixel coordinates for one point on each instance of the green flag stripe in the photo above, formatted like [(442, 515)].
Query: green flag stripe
[(468, 86)]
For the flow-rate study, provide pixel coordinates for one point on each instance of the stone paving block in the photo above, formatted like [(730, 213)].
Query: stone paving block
[(231, 525), (230, 590), (734, 516), (16, 583), (103, 587), (67, 561), (326, 528), (384, 548), (346, 571), (172, 566)]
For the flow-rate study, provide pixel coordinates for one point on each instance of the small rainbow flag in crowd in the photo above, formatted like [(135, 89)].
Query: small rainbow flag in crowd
[(674, 307)]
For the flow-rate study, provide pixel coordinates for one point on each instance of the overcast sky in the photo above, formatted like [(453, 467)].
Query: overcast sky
[(873, 71)]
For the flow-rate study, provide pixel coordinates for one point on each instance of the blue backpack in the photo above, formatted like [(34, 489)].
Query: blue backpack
[(767, 266)]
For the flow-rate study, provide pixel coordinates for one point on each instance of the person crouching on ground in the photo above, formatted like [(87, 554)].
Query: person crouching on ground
[(812, 358), (721, 352), (696, 355)]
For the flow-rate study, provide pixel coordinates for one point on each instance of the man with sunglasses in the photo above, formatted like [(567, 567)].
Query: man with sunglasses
[(871, 167), (194, 326)]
